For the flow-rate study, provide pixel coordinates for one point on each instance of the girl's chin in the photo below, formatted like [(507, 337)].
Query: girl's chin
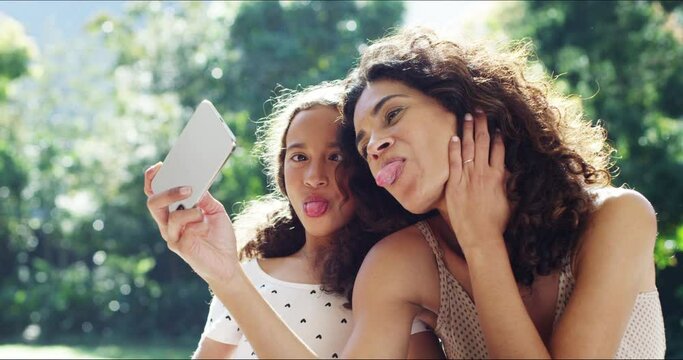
[(315, 228)]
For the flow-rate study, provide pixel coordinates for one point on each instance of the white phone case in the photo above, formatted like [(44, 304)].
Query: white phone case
[(197, 156)]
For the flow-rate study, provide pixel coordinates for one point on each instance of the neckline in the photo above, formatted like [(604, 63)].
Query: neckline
[(562, 278), (257, 267), (434, 244)]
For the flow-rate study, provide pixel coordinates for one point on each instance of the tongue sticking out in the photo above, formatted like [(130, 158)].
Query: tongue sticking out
[(315, 208), (389, 173)]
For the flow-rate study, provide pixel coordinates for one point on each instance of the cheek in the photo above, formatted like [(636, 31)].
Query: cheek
[(434, 160), (348, 209), (290, 179)]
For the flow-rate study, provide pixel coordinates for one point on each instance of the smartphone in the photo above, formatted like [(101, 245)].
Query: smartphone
[(199, 153)]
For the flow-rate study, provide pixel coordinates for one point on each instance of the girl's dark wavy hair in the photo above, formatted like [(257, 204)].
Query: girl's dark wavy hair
[(268, 226), (553, 154)]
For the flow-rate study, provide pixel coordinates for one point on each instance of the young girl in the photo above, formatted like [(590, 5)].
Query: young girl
[(305, 242)]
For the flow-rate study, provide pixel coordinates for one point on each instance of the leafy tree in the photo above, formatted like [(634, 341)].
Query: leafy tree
[(234, 54), (83, 256), (16, 52)]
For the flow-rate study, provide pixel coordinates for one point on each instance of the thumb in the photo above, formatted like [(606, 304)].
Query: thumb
[(210, 205)]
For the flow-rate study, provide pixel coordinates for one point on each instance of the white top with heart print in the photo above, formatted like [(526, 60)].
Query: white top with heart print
[(317, 318)]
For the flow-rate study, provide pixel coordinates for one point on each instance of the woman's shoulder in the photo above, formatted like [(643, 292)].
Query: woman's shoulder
[(622, 204), (621, 196), (408, 242), (623, 220), (400, 266), (401, 252)]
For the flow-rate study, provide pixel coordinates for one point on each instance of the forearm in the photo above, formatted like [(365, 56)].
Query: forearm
[(268, 334), (505, 322)]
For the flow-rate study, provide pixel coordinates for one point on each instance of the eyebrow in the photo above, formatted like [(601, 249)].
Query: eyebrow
[(380, 103), (375, 110), (301, 145)]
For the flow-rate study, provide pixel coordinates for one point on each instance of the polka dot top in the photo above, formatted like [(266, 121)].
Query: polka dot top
[(317, 318), (458, 327)]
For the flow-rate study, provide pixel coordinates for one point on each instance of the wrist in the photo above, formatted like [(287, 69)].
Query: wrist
[(473, 234), (484, 246), (228, 284)]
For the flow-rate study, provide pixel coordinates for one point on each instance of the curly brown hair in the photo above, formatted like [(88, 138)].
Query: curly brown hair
[(268, 227), (553, 154)]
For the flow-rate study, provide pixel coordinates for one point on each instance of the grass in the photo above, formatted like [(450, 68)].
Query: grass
[(181, 349)]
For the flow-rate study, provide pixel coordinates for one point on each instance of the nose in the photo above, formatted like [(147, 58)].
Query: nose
[(377, 146), (316, 175)]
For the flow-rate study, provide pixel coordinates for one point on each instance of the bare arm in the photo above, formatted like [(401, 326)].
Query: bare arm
[(613, 263), (614, 257), (385, 301), (258, 320), (382, 309), (204, 238)]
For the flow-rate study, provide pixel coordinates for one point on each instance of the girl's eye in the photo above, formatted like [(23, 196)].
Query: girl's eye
[(298, 157), (336, 157), (391, 115)]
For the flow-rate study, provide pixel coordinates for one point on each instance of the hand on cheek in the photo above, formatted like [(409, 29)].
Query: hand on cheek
[(476, 199)]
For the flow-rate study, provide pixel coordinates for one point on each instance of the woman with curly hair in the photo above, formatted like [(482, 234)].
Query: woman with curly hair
[(304, 242), (530, 252)]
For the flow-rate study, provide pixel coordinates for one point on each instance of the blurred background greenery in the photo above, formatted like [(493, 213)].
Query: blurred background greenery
[(81, 261)]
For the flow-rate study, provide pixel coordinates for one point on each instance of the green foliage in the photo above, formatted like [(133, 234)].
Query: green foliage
[(16, 51), (79, 254), (624, 59)]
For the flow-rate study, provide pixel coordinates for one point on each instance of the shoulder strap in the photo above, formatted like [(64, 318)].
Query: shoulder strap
[(426, 231), (564, 288)]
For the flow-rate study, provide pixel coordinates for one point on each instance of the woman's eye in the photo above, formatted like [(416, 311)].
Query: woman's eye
[(298, 157), (363, 151), (391, 115), (336, 157)]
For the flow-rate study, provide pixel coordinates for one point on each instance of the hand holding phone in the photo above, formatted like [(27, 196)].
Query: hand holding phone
[(199, 153)]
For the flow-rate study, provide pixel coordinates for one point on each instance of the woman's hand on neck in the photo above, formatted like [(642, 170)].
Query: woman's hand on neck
[(475, 195)]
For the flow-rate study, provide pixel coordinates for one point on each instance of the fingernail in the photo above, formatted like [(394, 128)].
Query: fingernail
[(478, 110), (185, 190), (455, 138), (468, 117), (152, 167)]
